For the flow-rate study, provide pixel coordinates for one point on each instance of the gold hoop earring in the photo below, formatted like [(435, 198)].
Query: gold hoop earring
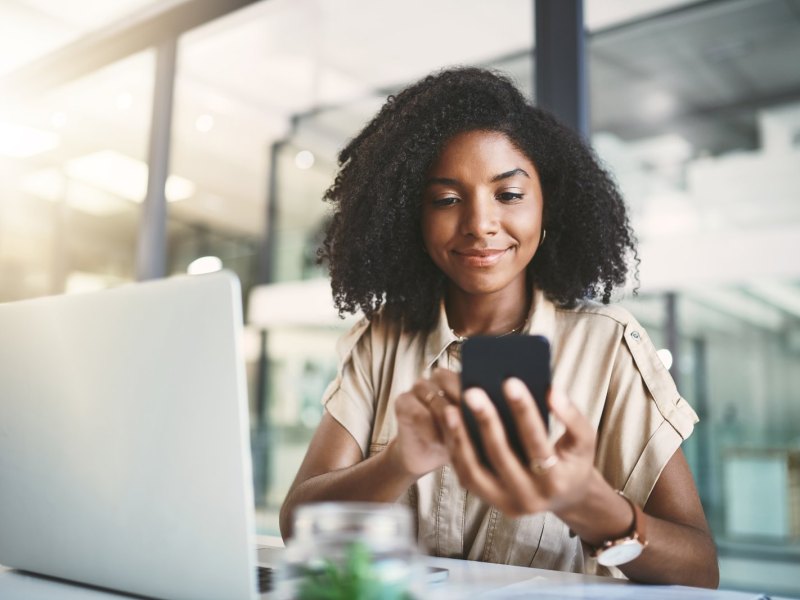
[(541, 240)]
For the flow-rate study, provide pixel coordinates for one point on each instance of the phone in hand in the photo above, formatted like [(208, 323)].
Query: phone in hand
[(486, 362)]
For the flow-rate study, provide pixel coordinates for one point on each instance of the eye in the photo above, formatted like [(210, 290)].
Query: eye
[(510, 196), (448, 201)]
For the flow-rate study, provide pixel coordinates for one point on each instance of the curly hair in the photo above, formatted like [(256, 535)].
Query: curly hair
[(374, 242)]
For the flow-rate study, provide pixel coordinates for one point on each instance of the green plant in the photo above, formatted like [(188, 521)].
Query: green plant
[(355, 579)]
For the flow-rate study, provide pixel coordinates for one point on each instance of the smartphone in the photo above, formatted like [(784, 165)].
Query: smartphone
[(486, 362)]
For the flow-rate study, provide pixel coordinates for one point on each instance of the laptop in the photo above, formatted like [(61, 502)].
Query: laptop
[(124, 440)]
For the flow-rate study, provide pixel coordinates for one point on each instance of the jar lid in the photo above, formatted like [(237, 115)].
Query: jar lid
[(353, 520)]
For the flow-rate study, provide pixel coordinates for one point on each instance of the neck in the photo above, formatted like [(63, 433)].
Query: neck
[(487, 314)]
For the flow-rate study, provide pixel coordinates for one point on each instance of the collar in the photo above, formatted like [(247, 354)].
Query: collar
[(540, 321)]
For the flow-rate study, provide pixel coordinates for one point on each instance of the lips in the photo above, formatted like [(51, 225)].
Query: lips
[(480, 257)]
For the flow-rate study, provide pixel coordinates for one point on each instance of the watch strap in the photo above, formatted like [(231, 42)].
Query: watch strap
[(637, 532)]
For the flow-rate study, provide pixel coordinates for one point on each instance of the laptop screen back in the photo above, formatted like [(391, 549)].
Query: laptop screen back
[(124, 439)]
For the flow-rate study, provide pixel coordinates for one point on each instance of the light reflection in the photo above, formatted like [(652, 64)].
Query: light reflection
[(123, 176), (19, 141), (58, 120), (204, 123), (666, 357), (204, 264), (124, 101), (304, 159)]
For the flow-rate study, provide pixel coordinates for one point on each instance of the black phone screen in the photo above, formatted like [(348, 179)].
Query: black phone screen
[(487, 362)]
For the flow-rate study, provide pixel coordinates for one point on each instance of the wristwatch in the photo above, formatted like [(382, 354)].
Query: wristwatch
[(612, 553)]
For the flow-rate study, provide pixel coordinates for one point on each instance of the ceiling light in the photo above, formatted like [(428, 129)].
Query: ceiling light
[(178, 188), (58, 119), (204, 123), (18, 141), (123, 176), (204, 264), (124, 101), (304, 159), (51, 184)]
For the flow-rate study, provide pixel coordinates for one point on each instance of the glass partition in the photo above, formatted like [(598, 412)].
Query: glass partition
[(73, 175), (697, 113)]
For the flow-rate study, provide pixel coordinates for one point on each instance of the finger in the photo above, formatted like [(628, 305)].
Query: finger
[(472, 475), (528, 420), (579, 436), (408, 408), (437, 408), (509, 469), (432, 399), (426, 391), (450, 382)]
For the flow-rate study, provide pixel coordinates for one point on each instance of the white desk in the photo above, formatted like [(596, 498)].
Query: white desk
[(466, 579)]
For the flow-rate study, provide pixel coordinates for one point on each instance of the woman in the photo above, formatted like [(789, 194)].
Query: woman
[(461, 210)]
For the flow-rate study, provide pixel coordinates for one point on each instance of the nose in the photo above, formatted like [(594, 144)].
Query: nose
[(480, 216)]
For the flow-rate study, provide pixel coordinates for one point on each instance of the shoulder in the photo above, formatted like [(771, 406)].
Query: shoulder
[(613, 332), (604, 330), (368, 337), (596, 313), (598, 321)]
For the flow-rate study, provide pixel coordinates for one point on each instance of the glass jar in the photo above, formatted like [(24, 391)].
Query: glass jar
[(351, 551)]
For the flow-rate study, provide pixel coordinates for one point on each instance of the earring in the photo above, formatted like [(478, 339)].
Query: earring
[(541, 240)]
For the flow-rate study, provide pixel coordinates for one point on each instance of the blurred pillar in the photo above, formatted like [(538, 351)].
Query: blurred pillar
[(266, 255), (151, 248), (673, 341), (262, 434), (703, 474), (560, 62)]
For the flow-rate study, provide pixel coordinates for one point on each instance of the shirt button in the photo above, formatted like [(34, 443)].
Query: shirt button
[(635, 335)]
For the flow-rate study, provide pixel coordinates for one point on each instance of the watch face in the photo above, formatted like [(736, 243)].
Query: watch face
[(621, 553)]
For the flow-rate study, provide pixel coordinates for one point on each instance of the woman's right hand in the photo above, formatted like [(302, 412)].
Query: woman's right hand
[(419, 447)]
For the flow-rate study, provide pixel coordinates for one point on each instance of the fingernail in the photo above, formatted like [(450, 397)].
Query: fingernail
[(516, 387), (475, 400)]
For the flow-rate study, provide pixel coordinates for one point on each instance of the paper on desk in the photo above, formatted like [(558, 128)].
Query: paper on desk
[(617, 592)]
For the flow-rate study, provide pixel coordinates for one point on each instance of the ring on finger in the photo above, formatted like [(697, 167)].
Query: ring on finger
[(431, 395), (540, 466)]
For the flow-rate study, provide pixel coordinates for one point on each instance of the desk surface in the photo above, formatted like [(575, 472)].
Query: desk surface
[(466, 579)]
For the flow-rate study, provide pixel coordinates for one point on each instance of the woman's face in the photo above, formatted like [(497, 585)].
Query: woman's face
[(482, 213)]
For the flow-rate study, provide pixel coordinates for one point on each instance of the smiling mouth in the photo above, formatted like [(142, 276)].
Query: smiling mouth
[(480, 258)]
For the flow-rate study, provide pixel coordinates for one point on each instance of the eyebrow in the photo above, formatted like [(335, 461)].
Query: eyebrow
[(501, 176), (510, 173)]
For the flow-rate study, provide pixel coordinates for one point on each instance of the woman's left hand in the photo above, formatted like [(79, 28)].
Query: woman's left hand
[(557, 475)]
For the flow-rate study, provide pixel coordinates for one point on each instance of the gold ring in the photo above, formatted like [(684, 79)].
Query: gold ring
[(431, 395), (542, 465)]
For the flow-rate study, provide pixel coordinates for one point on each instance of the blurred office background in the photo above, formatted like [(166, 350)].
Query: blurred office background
[(694, 105)]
